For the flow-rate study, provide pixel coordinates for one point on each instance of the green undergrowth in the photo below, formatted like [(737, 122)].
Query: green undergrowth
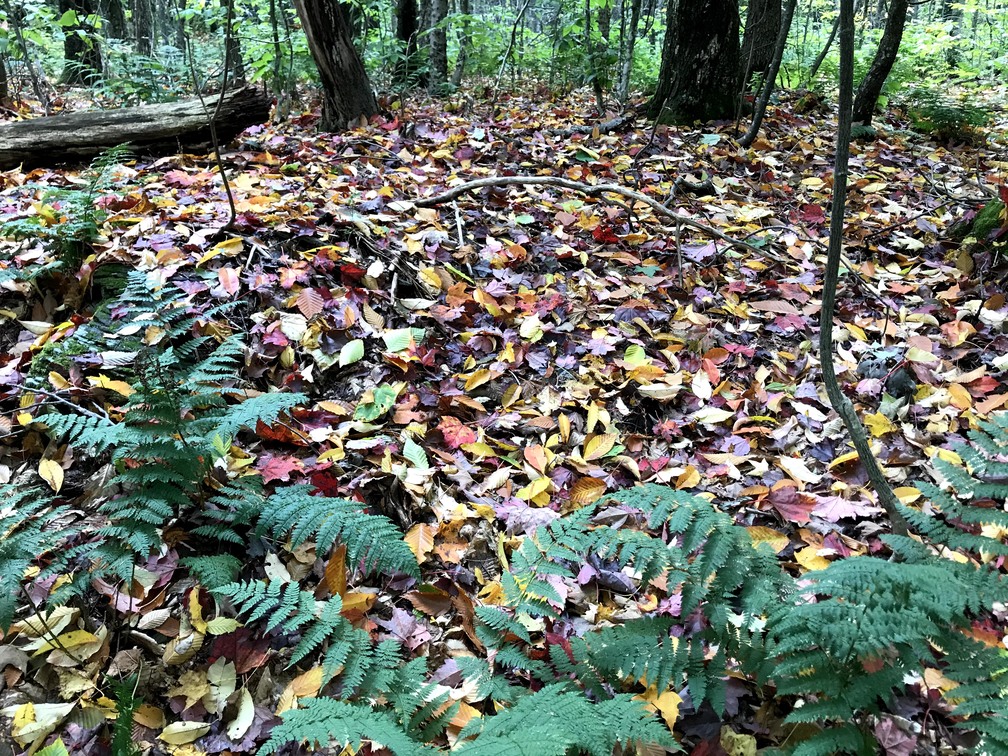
[(835, 648)]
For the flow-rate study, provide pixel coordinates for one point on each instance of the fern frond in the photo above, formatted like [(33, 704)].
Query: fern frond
[(325, 722), (556, 720), (372, 541)]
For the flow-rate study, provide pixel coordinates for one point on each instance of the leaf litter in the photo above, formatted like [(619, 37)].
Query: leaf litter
[(480, 367)]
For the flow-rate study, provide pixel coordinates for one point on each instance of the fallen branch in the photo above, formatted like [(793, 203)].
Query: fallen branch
[(591, 190), (613, 124)]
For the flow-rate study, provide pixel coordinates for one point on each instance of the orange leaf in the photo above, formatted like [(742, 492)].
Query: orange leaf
[(536, 456), (335, 571), (229, 280), (420, 539), (587, 491)]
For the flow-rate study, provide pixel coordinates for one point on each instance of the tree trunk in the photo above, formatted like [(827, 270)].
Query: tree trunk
[(871, 86), (161, 129), (233, 51), (143, 26), (763, 21), (112, 10), (346, 89), (406, 71), (700, 62), (464, 42), (628, 40), (438, 46), (81, 54), (771, 75)]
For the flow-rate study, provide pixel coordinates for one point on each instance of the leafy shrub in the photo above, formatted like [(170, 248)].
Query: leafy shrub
[(931, 112)]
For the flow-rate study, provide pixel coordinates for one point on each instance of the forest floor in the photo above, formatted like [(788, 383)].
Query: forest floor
[(541, 347)]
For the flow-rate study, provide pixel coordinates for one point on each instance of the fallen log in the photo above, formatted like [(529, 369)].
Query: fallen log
[(160, 129)]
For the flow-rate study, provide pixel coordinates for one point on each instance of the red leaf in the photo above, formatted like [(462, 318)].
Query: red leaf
[(791, 505), (278, 468), (455, 434)]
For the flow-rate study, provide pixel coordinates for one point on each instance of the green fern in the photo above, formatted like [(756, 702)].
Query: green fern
[(372, 541), (708, 560), (865, 625), (32, 526), (176, 422), (557, 720), (323, 722), (71, 221)]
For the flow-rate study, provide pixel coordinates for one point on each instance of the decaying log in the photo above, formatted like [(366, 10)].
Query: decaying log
[(159, 129)]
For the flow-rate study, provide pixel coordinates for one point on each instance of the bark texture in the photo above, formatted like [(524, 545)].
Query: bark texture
[(162, 129), (438, 46), (762, 24), (346, 89), (143, 26), (871, 86), (700, 62)]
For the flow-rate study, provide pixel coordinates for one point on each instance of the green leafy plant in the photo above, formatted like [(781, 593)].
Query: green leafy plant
[(934, 113), (67, 219), (865, 625), (176, 421)]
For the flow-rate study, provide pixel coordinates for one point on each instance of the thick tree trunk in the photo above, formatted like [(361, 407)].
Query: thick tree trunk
[(112, 10), (438, 46), (406, 71), (143, 26), (81, 54), (162, 129), (771, 74), (700, 62), (871, 86), (763, 21), (346, 89)]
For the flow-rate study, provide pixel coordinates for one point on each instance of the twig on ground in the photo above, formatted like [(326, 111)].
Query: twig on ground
[(593, 190)]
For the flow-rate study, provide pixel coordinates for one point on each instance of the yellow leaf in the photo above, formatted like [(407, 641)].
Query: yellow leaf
[(52, 473), (309, 683), (180, 733), (809, 559), (228, 247), (776, 540), (357, 603), (737, 743), (57, 381), (688, 478), (587, 491), (598, 446), (879, 424), (420, 539), (665, 703), (843, 459), (335, 571), (67, 640), (907, 494), (478, 378), (120, 387), (960, 397), (534, 489)]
